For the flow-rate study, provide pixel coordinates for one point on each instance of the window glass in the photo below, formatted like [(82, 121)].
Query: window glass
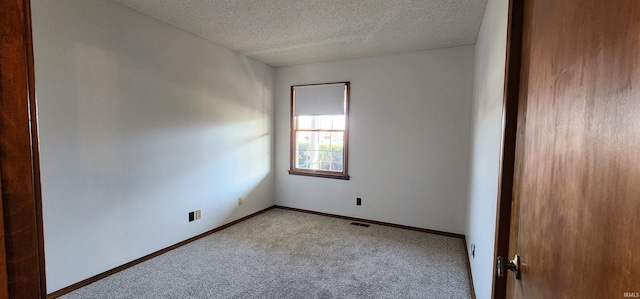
[(319, 145)]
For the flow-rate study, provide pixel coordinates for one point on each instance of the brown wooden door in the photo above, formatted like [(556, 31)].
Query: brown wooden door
[(576, 220)]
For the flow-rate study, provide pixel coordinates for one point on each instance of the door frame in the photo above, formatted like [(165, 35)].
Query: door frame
[(22, 234), (512, 86)]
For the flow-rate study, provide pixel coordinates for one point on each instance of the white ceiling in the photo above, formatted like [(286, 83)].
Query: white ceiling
[(290, 32)]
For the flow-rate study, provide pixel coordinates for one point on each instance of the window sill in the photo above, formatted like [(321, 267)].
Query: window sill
[(320, 174)]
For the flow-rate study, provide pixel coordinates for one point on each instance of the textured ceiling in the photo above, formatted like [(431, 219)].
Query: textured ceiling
[(290, 32)]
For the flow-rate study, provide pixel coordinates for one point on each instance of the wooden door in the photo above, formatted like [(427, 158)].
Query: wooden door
[(576, 216)]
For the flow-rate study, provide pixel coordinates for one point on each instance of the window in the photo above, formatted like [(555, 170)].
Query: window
[(319, 130)]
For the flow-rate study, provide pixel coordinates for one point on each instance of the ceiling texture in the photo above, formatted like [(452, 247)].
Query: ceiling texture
[(292, 32)]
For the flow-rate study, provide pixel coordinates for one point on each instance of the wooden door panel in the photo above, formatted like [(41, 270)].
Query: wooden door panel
[(578, 178)]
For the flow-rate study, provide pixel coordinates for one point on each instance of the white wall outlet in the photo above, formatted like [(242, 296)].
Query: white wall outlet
[(239, 201), (198, 214)]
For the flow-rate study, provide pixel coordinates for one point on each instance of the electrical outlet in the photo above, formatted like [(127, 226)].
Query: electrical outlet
[(239, 201), (473, 250), (198, 214), (358, 201), (192, 216)]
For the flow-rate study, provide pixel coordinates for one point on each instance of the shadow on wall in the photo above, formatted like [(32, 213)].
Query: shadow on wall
[(133, 135), (141, 123)]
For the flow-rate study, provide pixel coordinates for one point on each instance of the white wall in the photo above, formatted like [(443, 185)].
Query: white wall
[(410, 120), (141, 123), (485, 149)]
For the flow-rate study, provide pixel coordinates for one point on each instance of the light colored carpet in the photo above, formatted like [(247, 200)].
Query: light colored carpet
[(287, 254)]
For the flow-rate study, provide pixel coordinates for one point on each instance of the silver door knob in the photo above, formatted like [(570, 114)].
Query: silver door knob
[(511, 265)]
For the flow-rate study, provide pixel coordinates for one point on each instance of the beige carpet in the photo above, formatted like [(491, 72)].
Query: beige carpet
[(287, 254)]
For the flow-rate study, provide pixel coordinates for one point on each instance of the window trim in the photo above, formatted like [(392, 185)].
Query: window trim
[(344, 175)]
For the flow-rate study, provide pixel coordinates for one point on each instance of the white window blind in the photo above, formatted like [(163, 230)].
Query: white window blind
[(325, 99)]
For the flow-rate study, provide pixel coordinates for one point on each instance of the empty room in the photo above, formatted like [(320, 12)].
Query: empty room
[(320, 149)]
